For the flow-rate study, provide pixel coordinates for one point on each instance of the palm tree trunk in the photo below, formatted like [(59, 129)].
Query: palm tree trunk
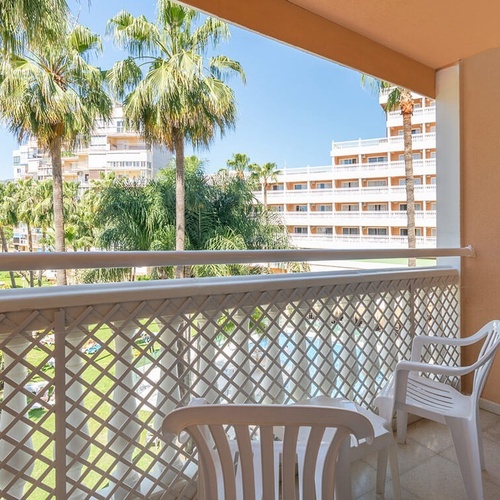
[(55, 155), (5, 248), (30, 249), (406, 104), (180, 209), (264, 193)]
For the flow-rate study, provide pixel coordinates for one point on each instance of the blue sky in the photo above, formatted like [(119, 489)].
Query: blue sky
[(292, 107)]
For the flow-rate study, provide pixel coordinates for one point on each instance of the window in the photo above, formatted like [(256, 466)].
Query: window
[(86, 177), (298, 187), (377, 231), (17, 160), (324, 230), (276, 208), (323, 185), (417, 181), (377, 159), (301, 208), (415, 156), (349, 184), (348, 161), (433, 154), (432, 180), (403, 206), (277, 187), (377, 207), (404, 231), (352, 207), (350, 230), (376, 183), (433, 205), (300, 230), (119, 126), (324, 208)]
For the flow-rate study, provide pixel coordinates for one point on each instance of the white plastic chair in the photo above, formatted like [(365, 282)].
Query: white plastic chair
[(239, 457), (383, 443), (409, 392)]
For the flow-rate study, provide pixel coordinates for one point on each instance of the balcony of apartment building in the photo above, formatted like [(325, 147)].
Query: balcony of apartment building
[(126, 354), (362, 168)]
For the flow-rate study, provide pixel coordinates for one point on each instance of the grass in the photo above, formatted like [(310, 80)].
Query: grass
[(97, 381), (20, 281)]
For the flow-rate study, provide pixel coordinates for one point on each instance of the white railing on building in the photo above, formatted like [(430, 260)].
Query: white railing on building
[(90, 371), (392, 140)]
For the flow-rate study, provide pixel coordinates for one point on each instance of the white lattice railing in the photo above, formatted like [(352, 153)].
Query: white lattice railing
[(90, 371)]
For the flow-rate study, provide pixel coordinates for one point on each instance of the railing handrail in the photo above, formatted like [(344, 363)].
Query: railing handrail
[(20, 300), (22, 261)]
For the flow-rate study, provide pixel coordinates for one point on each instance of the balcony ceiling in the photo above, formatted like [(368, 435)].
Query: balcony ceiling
[(401, 42), (435, 33)]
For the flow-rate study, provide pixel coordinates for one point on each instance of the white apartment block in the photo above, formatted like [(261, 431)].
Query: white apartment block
[(359, 201), (112, 149)]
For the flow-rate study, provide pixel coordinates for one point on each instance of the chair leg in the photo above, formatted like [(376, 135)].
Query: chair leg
[(393, 463), (480, 440), (381, 470), (465, 439), (402, 424)]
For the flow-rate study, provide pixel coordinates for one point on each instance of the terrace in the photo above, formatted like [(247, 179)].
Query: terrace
[(97, 437), (91, 370)]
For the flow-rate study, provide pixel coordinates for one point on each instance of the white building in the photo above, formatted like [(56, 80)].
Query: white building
[(111, 149), (360, 199)]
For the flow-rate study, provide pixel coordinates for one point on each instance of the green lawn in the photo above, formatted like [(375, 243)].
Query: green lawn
[(94, 404)]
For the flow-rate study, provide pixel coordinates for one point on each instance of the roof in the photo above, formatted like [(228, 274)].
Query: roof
[(401, 42)]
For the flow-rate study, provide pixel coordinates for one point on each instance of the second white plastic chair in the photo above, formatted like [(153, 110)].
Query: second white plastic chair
[(410, 391)]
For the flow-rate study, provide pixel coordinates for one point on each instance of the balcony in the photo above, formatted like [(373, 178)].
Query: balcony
[(347, 241), (359, 218), (380, 145), (90, 371)]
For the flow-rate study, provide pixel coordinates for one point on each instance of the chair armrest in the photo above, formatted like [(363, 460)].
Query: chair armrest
[(421, 340), (417, 366)]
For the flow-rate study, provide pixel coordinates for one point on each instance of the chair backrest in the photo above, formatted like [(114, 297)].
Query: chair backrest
[(490, 335), (241, 458)]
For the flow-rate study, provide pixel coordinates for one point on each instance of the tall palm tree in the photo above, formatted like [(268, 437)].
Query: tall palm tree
[(264, 175), (401, 98), (240, 163), (53, 93), (183, 96)]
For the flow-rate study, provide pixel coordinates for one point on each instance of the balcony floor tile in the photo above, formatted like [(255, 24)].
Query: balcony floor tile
[(428, 464)]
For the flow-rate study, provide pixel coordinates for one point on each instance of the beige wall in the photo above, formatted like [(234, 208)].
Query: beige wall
[(480, 193)]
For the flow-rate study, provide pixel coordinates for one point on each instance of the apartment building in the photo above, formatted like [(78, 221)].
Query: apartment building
[(112, 148), (360, 199)]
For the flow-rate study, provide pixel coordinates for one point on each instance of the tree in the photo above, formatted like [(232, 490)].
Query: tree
[(240, 163), (264, 175), (221, 215), (399, 97), (8, 217), (35, 22), (183, 96), (53, 93)]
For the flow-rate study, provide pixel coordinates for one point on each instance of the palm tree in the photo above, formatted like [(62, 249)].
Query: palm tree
[(36, 22), (54, 94), (183, 96), (240, 163), (264, 175), (401, 98), (8, 217)]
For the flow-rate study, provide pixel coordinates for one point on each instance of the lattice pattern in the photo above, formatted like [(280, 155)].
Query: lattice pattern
[(86, 387)]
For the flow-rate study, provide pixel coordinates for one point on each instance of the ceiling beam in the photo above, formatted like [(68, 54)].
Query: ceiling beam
[(295, 26)]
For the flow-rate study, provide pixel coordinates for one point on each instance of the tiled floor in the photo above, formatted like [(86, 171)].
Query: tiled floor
[(428, 464)]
